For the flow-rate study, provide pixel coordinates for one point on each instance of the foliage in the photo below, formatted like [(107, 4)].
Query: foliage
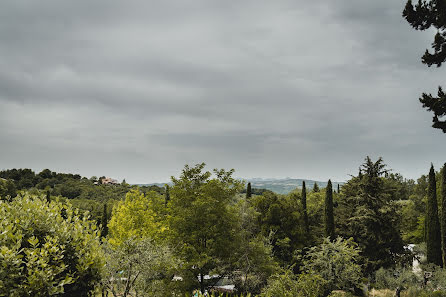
[(422, 16), (443, 213), (280, 218), (370, 215), (304, 209), (393, 278), (433, 232), (138, 216), (202, 222), (254, 252), (7, 189), (329, 217), (336, 262), (139, 266), (47, 249), (289, 285)]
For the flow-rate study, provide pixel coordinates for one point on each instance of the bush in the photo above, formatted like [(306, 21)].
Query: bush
[(289, 285), (46, 249)]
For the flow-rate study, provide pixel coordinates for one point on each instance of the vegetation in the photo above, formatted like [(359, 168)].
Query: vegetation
[(422, 16), (203, 232)]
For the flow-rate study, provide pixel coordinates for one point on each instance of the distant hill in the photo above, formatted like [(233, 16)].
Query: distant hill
[(286, 185), (278, 185)]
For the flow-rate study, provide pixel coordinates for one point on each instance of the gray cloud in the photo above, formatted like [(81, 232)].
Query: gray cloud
[(136, 89)]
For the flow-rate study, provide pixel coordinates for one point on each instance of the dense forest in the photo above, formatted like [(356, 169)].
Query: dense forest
[(210, 232)]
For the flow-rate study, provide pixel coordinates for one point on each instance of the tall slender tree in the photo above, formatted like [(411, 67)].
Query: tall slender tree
[(339, 189), (315, 187), (248, 191), (304, 207), (167, 195), (443, 214), (104, 221), (329, 217), (433, 233)]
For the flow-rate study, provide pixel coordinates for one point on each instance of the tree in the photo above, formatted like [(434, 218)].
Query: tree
[(304, 207), (202, 221), (443, 214), (336, 261), (104, 221), (329, 217), (47, 249), (138, 266), (339, 189), (315, 187), (248, 191), (138, 216), (433, 233), (167, 195), (422, 16), (7, 189), (370, 215)]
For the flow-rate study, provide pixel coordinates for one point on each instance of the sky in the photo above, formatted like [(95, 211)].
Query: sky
[(287, 88)]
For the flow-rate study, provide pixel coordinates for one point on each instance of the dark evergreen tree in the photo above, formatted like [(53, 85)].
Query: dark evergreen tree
[(315, 187), (248, 191), (104, 221), (48, 196), (422, 16), (370, 215), (167, 197), (329, 217), (433, 233), (339, 189), (443, 214), (304, 207)]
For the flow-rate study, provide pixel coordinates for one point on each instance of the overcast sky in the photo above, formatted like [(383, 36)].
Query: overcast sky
[(137, 89)]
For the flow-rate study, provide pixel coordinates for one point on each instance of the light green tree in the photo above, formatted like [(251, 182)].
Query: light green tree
[(138, 216)]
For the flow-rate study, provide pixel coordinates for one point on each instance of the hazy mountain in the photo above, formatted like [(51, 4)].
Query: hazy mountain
[(280, 185)]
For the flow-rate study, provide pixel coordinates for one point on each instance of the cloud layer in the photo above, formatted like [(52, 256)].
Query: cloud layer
[(136, 89)]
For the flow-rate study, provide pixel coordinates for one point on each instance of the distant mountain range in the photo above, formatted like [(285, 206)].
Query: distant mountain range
[(280, 185)]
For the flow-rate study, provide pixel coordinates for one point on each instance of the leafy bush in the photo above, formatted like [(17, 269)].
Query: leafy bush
[(46, 249), (289, 285)]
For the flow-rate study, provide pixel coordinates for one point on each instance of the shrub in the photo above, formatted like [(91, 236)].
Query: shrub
[(46, 249)]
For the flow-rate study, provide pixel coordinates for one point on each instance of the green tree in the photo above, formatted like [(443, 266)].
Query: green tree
[(202, 221), (47, 249), (337, 262), (315, 187), (329, 216), (370, 215), (138, 216), (143, 266), (422, 16), (104, 221), (433, 232), (287, 284), (304, 208), (443, 214), (167, 194), (248, 191), (7, 189)]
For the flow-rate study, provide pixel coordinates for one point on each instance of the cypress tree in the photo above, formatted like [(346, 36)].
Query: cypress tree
[(104, 221), (433, 233), (443, 214), (48, 196), (339, 189), (248, 191), (315, 187), (167, 197), (304, 206), (329, 217)]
